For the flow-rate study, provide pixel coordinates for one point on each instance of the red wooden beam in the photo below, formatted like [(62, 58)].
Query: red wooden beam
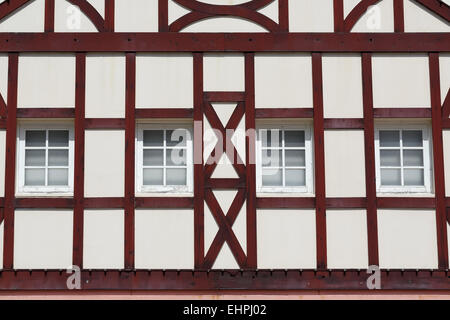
[(104, 123), (406, 203), (346, 203), (369, 151), (199, 190), (272, 113), (10, 162), (10, 6), (164, 203), (163, 15), (286, 203), (220, 96), (399, 16), (49, 16), (283, 15), (109, 15), (319, 163), (78, 194), (48, 203), (438, 157), (167, 113), (130, 135), (389, 113), (50, 113), (225, 183), (344, 123), (104, 203), (338, 7), (220, 42), (250, 160)]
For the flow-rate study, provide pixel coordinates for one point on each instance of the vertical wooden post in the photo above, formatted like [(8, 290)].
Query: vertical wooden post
[(338, 6), (109, 15), (399, 16), (163, 15), (49, 16)]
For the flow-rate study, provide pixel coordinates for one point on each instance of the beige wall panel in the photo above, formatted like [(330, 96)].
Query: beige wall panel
[(46, 80), (444, 64), (104, 163), (419, 19), (446, 140), (4, 76), (164, 80), (283, 80), (379, 18), (136, 16), (1, 244), (345, 163), (347, 246), (43, 239), (286, 239), (2, 161), (222, 24), (224, 72), (30, 18), (68, 18), (342, 86), (407, 239), (103, 239), (105, 86), (311, 16), (164, 239), (401, 80)]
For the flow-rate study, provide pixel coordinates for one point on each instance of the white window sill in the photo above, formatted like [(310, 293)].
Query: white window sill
[(44, 195), (405, 194)]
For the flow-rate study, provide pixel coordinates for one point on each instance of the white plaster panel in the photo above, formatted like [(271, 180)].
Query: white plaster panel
[(283, 80), (311, 16), (407, 239), (43, 239), (286, 239), (29, 18), (378, 18), (401, 80), (444, 64), (345, 163), (2, 161), (4, 76), (103, 239), (420, 19), (446, 140), (136, 16), (1, 244), (104, 163), (69, 18), (224, 72), (347, 246), (46, 80), (105, 86), (342, 86), (164, 239), (164, 80)]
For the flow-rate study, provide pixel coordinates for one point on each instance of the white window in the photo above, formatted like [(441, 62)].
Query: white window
[(284, 159), (164, 159), (45, 158), (403, 159)]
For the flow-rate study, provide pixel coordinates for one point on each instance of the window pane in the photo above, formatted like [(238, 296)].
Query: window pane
[(153, 157), (413, 158), (294, 139), (414, 177), (390, 138), (390, 158), (176, 138), (58, 177), (176, 177), (272, 177), (153, 177), (58, 138), (295, 158), (272, 158), (34, 177), (35, 138), (153, 138), (176, 157), (391, 177), (58, 158), (295, 178), (412, 138), (271, 138), (35, 158)]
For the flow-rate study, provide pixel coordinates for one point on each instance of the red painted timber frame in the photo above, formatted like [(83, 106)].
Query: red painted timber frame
[(278, 39)]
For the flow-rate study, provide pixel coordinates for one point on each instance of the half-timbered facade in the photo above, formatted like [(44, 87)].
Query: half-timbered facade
[(213, 145)]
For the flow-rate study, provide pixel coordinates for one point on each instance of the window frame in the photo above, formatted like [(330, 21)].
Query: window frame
[(427, 158), (21, 188), (309, 161), (139, 167)]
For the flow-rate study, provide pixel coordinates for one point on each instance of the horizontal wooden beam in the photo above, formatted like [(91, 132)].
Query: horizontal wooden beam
[(164, 113), (106, 123), (46, 113), (225, 280), (284, 113), (402, 112), (164, 203), (344, 124), (220, 42), (224, 96)]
